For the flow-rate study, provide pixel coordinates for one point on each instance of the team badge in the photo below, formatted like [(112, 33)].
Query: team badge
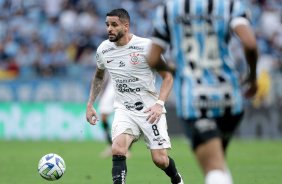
[(114, 130), (134, 59)]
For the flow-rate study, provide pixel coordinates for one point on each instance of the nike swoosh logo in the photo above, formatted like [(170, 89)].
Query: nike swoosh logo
[(108, 61)]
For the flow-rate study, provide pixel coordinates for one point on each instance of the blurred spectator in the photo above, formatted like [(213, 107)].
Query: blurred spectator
[(68, 19), (52, 8)]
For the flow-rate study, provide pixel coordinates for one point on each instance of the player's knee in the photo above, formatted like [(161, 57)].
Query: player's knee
[(117, 150), (161, 161)]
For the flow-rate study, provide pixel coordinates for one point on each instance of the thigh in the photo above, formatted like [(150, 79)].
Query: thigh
[(124, 124), (210, 155), (155, 135)]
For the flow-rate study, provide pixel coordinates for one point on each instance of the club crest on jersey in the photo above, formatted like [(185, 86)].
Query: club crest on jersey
[(134, 59)]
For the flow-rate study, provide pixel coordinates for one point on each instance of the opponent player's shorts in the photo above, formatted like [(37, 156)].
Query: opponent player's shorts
[(106, 103), (204, 129), (155, 135)]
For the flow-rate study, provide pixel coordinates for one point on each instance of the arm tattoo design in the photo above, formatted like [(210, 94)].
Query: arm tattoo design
[(97, 84)]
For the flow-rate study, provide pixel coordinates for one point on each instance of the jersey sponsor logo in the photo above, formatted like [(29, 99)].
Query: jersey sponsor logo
[(137, 106), (186, 19), (107, 50), (136, 48), (213, 104), (204, 125), (120, 81), (121, 64), (108, 61), (124, 88), (134, 59)]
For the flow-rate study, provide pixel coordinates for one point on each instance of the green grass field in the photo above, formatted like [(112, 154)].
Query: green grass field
[(251, 162)]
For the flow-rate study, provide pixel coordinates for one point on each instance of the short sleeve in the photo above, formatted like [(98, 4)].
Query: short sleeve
[(100, 63), (240, 14)]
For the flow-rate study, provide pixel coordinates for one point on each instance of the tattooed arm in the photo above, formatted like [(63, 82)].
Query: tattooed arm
[(97, 84)]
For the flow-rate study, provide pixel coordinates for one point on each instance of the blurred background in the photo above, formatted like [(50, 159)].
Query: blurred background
[(47, 62)]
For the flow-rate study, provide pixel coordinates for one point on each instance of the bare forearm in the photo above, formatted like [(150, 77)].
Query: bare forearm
[(166, 86), (249, 43), (251, 57), (97, 84)]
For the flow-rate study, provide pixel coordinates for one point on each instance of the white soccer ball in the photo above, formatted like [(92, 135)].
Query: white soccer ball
[(51, 167)]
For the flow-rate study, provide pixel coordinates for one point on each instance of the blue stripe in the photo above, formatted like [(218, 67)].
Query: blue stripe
[(200, 35), (221, 23), (180, 59), (240, 10), (177, 88), (229, 71), (177, 53)]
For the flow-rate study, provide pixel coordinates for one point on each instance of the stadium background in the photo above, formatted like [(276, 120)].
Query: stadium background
[(47, 61)]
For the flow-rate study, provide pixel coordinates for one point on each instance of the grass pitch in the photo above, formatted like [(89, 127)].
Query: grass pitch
[(251, 162)]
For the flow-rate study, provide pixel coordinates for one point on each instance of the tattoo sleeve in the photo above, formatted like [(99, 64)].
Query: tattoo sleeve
[(96, 86)]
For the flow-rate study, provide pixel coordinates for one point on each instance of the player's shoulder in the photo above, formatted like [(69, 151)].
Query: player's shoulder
[(141, 41), (104, 47)]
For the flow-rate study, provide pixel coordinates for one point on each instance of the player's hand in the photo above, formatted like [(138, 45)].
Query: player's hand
[(90, 112), (155, 113), (251, 90)]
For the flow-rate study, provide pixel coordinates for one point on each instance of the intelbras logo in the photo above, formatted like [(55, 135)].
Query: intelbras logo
[(107, 50), (131, 106), (136, 47)]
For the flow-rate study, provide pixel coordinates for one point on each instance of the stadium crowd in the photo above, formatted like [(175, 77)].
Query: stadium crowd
[(45, 38), (59, 37)]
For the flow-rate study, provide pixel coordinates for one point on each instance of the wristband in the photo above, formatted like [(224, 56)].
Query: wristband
[(160, 102)]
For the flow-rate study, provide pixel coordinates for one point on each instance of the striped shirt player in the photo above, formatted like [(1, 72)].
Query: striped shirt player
[(198, 32), (207, 86)]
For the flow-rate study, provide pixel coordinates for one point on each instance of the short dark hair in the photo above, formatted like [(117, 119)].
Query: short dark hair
[(121, 13)]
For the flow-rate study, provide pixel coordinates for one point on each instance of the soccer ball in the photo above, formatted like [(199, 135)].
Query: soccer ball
[(51, 167)]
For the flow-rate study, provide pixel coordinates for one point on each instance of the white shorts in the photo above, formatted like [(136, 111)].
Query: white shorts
[(106, 103), (155, 135)]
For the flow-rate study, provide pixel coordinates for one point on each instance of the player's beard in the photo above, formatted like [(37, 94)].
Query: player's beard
[(118, 37)]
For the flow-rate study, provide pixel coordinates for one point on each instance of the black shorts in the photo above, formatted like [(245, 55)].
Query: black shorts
[(204, 129)]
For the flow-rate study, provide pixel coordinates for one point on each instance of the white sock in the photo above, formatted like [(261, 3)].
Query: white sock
[(228, 174), (217, 177)]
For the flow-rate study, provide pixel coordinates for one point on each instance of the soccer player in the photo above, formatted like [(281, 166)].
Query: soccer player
[(138, 107), (208, 93)]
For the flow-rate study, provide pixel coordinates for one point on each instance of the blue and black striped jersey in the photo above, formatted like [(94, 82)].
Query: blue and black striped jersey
[(206, 82)]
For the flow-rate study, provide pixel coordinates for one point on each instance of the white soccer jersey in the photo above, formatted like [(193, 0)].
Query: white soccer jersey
[(132, 77)]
